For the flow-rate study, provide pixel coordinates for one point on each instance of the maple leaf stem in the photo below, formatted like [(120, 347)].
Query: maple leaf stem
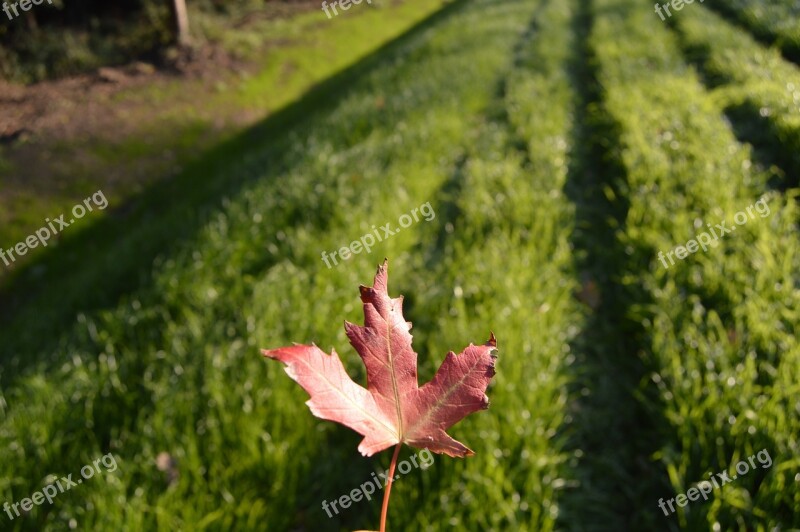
[(385, 508)]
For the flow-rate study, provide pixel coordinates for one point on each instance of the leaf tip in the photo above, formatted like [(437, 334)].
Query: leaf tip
[(383, 269)]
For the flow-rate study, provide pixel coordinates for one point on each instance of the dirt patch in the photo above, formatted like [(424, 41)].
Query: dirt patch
[(83, 105), (44, 126)]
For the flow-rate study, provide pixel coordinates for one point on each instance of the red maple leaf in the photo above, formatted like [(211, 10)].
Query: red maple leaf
[(393, 409)]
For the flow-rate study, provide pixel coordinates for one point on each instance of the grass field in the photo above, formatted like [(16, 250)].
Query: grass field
[(563, 145)]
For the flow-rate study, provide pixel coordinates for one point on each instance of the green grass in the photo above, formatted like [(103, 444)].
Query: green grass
[(758, 88), (718, 328), (562, 145), (774, 22)]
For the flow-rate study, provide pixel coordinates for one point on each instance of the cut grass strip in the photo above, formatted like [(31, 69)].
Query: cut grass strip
[(614, 471), (497, 265)]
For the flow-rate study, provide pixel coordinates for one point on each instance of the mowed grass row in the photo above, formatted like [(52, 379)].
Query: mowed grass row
[(755, 84), (503, 261), (721, 323), (175, 366)]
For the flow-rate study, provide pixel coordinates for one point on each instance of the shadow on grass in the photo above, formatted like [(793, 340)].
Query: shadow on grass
[(617, 421)]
